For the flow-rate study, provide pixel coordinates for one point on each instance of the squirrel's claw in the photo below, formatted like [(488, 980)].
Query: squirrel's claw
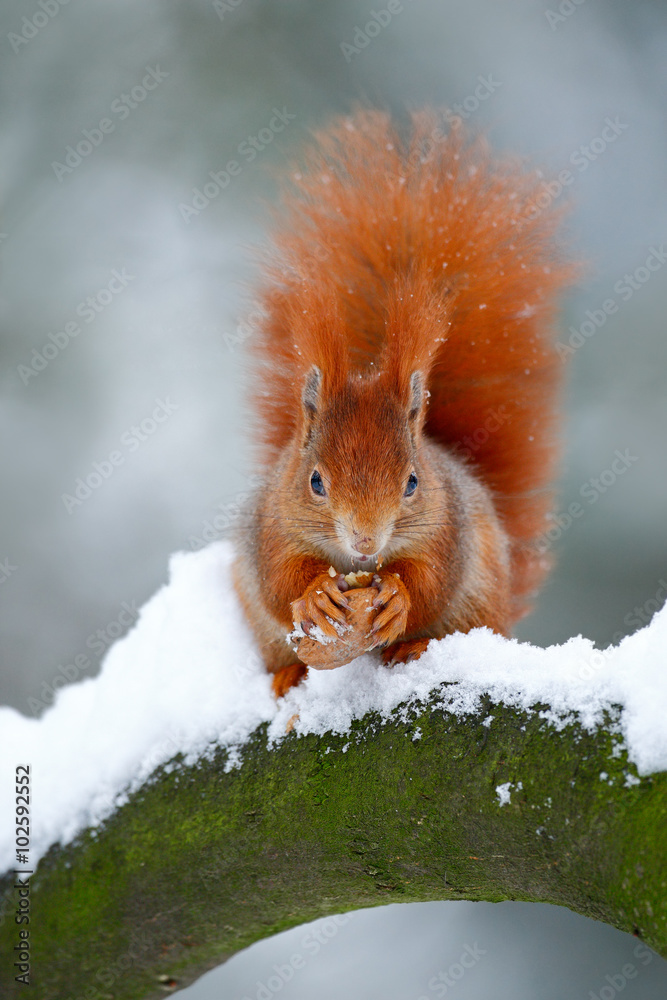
[(323, 606), (394, 601)]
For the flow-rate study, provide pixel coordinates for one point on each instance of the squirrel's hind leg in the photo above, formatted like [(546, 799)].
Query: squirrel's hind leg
[(404, 651), (288, 677)]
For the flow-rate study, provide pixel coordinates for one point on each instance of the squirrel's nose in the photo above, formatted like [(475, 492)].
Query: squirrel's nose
[(364, 544)]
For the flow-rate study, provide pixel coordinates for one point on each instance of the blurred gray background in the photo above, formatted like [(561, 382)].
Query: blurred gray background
[(180, 86)]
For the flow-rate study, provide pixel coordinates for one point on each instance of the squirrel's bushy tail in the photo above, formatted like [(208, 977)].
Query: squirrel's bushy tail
[(424, 250)]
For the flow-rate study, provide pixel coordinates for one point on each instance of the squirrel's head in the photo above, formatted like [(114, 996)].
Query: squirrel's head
[(359, 475)]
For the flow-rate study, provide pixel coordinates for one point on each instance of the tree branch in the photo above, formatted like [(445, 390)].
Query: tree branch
[(200, 862)]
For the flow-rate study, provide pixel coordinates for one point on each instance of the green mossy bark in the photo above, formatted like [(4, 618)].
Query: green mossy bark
[(201, 862)]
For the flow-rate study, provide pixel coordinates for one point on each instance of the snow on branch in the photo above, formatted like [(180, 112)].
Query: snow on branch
[(187, 680)]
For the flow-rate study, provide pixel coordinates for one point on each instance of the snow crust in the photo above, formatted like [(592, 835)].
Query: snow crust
[(187, 678), (504, 792)]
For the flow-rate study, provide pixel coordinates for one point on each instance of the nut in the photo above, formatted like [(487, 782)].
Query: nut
[(354, 641), (361, 578)]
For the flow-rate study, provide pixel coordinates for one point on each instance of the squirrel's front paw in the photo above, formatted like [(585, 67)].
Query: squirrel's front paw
[(323, 605), (393, 604)]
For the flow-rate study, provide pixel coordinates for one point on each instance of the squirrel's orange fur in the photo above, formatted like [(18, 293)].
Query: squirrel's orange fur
[(408, 330)]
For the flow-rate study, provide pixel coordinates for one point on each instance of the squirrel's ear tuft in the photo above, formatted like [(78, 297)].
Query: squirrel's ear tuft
[(310, 398), (311, 390), (417, 400), (417, 396)]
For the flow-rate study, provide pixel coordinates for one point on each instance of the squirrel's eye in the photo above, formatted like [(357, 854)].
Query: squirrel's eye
[(317, 484), (412, 485)]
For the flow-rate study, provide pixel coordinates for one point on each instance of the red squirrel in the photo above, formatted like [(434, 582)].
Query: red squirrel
[(406, 386)]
